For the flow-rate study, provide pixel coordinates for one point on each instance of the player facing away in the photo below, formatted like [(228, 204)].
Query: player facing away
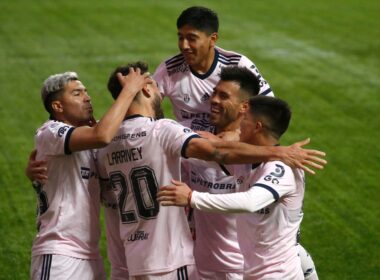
[(66, 245), (188, 79), (270, 200), (145, 154)]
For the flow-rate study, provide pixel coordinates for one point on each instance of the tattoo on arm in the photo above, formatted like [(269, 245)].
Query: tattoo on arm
[(218, 156)]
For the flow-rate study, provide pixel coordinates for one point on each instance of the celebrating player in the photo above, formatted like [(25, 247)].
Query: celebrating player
[(272, 196), (188, 79), (144, 154), (66, 245)]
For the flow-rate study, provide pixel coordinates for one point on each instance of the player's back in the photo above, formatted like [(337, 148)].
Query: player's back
[(144, 155)]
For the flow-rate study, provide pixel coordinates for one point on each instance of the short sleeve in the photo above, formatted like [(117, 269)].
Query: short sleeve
[(265, 88), (53, 139), (173, 137)]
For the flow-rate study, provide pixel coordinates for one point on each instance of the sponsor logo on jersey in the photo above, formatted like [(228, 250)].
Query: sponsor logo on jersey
[(205, 97), (129, 136), (186, 98), (188, 115), (200, 124), (85, 172), (138, 235), (211, 185)]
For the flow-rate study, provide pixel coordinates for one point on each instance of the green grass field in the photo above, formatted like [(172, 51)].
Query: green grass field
[(323, 57)]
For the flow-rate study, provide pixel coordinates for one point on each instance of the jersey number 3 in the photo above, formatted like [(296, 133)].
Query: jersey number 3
[(143, 191)]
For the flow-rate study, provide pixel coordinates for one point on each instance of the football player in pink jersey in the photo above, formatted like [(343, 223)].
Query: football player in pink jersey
[(66, 245), (270, 199), (188, 80), (144, 154)]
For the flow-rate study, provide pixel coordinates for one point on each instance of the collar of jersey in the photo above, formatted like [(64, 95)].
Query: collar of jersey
[(133, 117), (212, 68)]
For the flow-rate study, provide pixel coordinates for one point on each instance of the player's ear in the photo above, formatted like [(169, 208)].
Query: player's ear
[(56, 105), (214, 38), (147, 91), (244, 107)]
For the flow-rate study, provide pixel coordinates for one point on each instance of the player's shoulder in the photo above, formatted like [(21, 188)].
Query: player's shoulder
[(52, 127), (228, 57), (278, 169), (169, 123), (174, 64)]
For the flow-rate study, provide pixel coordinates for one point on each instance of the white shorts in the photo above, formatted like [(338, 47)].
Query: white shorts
[(187, 272), (59, 267), (212, 275)]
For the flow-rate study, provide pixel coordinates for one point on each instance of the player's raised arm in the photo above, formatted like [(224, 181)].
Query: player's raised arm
[(99, 135), (235, 152)]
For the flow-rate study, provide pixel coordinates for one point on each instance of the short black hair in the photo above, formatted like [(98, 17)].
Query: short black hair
[(274, 112), (201, 18), (114, 85), (247, 81)]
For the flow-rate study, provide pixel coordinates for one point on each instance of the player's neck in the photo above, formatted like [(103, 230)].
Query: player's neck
[(204, 66), (233, 126), (139, 109)]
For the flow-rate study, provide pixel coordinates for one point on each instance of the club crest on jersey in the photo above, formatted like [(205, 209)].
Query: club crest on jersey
[(186, 98), (85, 172)]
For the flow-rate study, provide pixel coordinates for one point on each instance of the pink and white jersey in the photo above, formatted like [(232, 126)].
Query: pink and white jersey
[(115, 245), (144, 155), (273, 194), (69, 202), (216, 245), (190, 92)]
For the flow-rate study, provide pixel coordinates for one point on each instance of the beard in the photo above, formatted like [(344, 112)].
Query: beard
[(156, 105)]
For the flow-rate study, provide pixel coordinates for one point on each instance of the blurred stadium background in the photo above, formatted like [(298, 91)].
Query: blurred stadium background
[(323, 57)]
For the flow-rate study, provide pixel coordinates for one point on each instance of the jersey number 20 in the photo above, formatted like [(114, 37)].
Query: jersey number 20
[(143, 187)]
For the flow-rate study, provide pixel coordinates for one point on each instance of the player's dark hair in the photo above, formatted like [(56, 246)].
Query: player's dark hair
[(200, 18), (247, 81), (273, 112), (114, 85)]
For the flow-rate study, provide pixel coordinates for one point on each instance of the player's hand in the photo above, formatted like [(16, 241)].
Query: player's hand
[(296, 156), (36, 170), (134, 81), (230, 135), (209, 136), (176, 194)]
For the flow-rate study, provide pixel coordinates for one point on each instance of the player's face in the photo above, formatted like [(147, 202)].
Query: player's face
[(226, 106), (76, 104), (195, 45), (156, 100)]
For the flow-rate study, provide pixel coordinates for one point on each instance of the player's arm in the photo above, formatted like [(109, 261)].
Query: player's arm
[(36, 170), (179, 194), (99, 135), (225, 152)]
